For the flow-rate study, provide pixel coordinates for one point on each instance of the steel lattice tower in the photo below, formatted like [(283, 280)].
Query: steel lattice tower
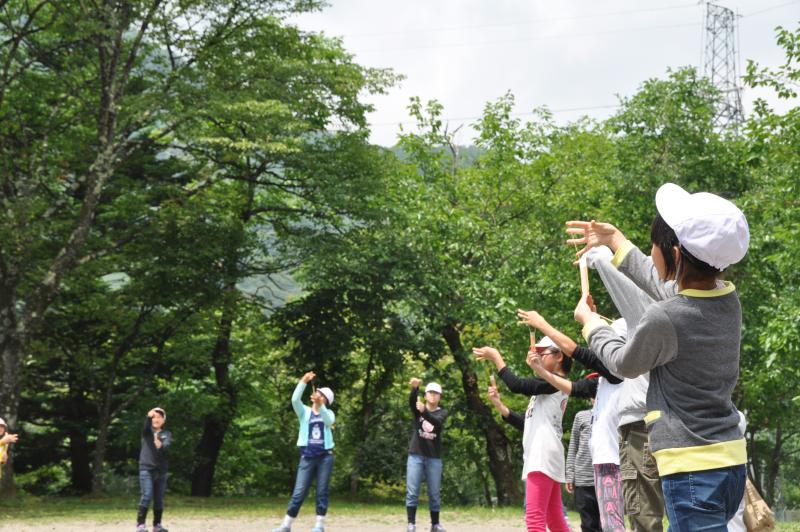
[(720, 59)]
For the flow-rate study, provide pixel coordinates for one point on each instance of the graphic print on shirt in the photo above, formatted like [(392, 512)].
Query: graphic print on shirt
[(426, 432), (316, 436)]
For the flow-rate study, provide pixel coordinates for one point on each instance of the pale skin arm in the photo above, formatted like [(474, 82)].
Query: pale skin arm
[(593, 234), (560, 383), (9, 438), (533, 319), (494, 398), (414, 383), (491, 354), (156, 441)]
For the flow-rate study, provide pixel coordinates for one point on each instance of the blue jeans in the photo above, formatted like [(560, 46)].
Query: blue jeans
[(320, 467), (417, 467), (153, 485), (703, 500)]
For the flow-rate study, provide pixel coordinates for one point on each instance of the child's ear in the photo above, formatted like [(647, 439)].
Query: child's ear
[(676, 254)]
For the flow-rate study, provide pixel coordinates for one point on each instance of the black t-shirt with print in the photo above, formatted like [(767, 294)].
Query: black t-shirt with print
[(427, 436)]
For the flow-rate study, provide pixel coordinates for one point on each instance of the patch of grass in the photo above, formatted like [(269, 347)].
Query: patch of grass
[(29, 509)]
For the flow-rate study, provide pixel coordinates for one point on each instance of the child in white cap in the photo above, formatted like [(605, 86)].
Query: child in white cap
[(5, 441), (543, 468), (689, 340), (153, 466), (315, 440), (425, 452)]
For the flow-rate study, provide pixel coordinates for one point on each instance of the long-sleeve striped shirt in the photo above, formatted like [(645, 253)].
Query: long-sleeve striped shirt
[(579, 457)]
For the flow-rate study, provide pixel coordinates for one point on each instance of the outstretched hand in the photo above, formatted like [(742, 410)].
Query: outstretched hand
[(534, 361), (486, 353), (9, 438), (494, 396), (531, 318), (415, 382), (308, 377), (585, 310), (593, 234)]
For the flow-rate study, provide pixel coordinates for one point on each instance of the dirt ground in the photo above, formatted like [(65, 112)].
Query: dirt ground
[(249, 524)]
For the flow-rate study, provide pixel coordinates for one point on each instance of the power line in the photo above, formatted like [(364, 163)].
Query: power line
[(523, 23), (515, 115), (772, 8), (530, 39)]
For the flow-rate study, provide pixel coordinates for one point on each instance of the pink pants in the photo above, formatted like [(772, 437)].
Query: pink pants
[(543, 504)]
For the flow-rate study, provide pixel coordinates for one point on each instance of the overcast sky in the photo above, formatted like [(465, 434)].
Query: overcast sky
[(573, 56)]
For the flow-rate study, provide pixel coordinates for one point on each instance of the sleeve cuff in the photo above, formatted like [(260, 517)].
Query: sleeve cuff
[(621, 253), (591, 325)]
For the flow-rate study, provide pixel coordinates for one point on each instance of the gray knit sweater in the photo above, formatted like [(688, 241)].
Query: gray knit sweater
[(690, 344)]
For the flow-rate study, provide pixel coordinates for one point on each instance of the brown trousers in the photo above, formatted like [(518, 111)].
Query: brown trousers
[(641, 484)]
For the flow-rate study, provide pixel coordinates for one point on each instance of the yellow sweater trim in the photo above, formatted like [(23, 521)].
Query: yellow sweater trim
[(701, 457), (716, 292), (591, 325), (621, 253)]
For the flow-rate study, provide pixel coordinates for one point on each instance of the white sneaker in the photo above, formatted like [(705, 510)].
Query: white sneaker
[(437, 528), (411, 527)]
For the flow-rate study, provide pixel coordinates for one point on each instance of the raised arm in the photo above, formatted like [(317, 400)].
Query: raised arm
[(297, 396), (525, 386), (558, 382), (413, 396), (639, 268), (147, 429), (653, 344), (588, 358), (532, 318), (512, 418)]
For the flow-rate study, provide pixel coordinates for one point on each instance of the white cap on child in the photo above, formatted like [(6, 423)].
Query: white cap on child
[(544, 344), (328, 393), (3, 422), (711, 228), (433, 387)]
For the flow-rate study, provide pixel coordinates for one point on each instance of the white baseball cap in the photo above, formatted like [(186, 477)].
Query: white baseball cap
[(710, 227), (328, 393), (3, 422), (545, 343), (433, 387)]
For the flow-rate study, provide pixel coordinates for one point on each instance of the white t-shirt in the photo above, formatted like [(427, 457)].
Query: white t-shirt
[(541, 439), (604, 442)]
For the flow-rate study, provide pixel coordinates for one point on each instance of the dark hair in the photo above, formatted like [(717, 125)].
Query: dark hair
[(663, 237), (566, 363), (693, 269)]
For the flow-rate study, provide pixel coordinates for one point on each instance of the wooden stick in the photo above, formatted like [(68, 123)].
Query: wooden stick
[(492, 381), (533, 340), (584, 275)]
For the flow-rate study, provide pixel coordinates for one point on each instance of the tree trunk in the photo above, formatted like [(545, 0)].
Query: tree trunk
[(774, 466), (79, 455), (498, 447), (367, 408), (75, 411), (100, 447), (216, 423), (12, 348)]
